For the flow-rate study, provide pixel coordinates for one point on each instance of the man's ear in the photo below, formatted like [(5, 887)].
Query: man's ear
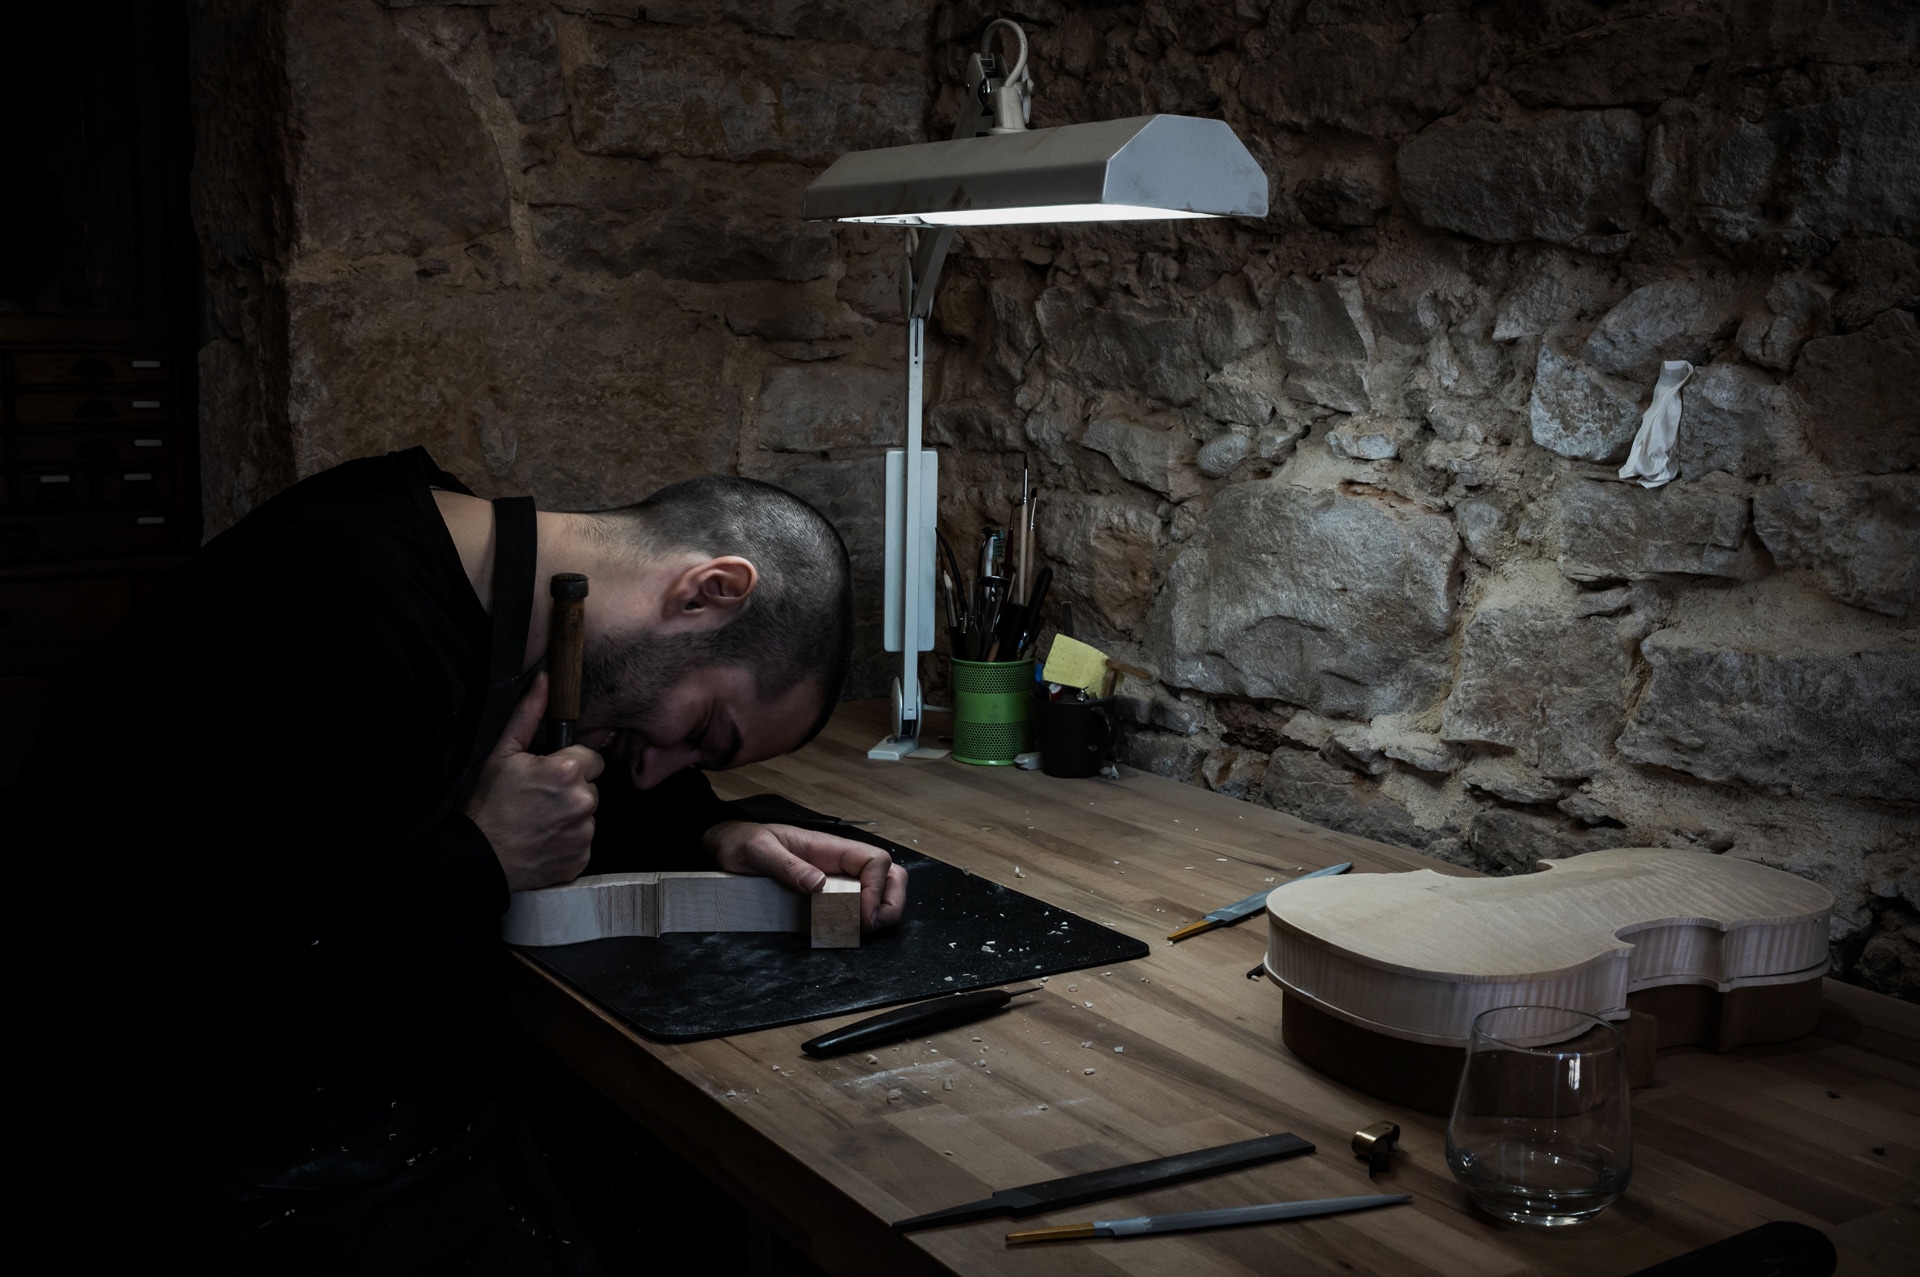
[(708, 595)]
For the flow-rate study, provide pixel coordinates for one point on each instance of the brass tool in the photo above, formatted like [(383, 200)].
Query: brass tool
[(1376, 1144), (566, 635)]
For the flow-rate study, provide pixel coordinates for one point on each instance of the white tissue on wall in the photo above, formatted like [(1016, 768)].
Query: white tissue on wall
[(1651, 461)]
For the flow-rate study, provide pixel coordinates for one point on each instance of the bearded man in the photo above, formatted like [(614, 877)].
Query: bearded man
[(295, 792)]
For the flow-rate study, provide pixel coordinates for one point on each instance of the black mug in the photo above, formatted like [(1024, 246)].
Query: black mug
[(1074, 736)]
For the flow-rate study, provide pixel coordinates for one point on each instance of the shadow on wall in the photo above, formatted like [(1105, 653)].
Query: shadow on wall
[(1344, 478)]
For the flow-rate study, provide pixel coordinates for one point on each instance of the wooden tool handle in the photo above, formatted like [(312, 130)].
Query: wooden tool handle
[(565, 636)]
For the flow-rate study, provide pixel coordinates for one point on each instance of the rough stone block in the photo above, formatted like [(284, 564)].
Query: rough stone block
[(1333, 601), (1515, 841), (1360, 78), (1621, 531), (701, 220), (1359, 445), (1847, 168), (1876, 275), (1539, 679), (653, 90), (1235, 772), (1322, 330), (1795, 312), (1219, 456), (584, 399), (1152, 457), (820, 406), (1783, 707), (882, 24), (393, 159), (526, 61), (1622, 62), (1730, 418), (1510, 780), (1553, 288), (1566, 179), (1163, 754), (1856, 396), (1307, 786), (1122, 348), (1244, 402), (1580, 412), (1861, 537), (1670, 319), (1101, 549)]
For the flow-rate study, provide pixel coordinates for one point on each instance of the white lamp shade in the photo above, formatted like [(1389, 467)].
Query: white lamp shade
[(1150, 166)]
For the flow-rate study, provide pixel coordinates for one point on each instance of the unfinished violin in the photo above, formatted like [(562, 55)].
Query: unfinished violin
[(1383, 974)]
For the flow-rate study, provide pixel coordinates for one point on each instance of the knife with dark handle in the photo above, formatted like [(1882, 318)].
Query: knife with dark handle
[(908, 1022), (1055, 1194)]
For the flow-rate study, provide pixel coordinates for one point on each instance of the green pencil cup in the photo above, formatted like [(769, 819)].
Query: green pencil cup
[(990, 711)]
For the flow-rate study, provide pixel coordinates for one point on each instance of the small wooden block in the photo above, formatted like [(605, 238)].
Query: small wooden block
[(836, 914)]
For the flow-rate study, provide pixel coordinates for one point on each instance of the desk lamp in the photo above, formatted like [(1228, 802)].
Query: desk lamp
[(995, 171)]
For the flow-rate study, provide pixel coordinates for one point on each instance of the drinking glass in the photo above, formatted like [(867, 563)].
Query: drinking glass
[(1540, 1131)]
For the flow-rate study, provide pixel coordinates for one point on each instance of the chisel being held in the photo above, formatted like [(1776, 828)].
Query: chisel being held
[(566, 635)]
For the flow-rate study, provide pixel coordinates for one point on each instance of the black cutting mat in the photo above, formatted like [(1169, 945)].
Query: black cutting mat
[(960, 933)]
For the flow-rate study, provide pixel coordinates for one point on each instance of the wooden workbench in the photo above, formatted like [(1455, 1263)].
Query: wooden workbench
[(1179, 1050)]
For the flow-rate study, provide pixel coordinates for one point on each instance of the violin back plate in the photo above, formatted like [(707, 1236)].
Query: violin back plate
[(1416, 956)]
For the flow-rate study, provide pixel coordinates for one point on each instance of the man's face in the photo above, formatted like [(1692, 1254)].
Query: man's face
[(648, 706)]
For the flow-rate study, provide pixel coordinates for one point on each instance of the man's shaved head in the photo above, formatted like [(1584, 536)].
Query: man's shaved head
[(795, 627)]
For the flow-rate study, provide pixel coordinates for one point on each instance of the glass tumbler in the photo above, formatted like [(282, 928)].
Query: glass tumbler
[(1541, 1125)]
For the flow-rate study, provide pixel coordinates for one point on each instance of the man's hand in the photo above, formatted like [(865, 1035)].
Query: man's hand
[(536, 810), (801, 859)]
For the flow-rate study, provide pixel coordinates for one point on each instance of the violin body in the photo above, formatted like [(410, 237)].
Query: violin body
[(1383, 974)]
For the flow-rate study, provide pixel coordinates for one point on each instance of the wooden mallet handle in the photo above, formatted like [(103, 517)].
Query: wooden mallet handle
[(565, 636)]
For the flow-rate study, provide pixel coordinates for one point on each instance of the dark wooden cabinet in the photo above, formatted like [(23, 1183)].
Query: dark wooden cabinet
[(98, 299)]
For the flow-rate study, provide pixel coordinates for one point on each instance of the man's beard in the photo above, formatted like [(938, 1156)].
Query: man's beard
[(625, 677)]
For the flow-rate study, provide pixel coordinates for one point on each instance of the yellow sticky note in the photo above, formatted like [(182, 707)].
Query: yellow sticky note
[(1072, 663)]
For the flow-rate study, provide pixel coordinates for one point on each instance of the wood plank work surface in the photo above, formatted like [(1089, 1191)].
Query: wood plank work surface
[(1179, 1051)]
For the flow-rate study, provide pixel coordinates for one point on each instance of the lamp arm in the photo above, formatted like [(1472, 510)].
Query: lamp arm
[(926, 254)]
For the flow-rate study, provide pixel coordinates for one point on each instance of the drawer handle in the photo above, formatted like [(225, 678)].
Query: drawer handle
[(147, 443), (56, 478), (146, 403), (146, 363), (147, 520), (137, 478)]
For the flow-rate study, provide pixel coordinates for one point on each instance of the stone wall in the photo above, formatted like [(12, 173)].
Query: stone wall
[(1344, 478)]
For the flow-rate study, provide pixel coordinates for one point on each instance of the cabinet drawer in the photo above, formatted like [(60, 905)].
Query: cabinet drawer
[(124, 532), (110, 447), (136, 489), (90, 368), (56, 488), (128, 407)]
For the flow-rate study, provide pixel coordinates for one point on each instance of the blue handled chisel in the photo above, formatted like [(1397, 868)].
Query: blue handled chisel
[(1229, 914)]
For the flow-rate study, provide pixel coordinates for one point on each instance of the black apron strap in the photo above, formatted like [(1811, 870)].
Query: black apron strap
[(516, 545)]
